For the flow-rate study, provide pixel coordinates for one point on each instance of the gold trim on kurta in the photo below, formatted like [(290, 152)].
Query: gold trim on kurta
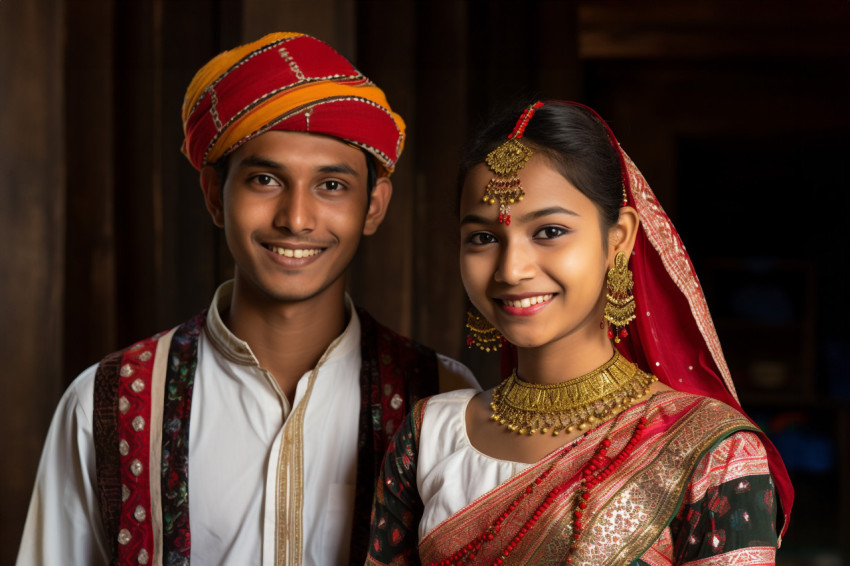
[(289, 496)]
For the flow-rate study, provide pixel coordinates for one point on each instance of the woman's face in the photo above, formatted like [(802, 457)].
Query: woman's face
[(539, 280)]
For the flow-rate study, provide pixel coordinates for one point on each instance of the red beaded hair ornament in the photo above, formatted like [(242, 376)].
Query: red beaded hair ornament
[(506, 161)]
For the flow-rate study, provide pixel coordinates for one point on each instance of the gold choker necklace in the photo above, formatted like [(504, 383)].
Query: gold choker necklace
[(529, 408)]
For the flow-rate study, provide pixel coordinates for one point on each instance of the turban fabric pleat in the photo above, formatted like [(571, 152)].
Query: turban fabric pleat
[(291, 82)]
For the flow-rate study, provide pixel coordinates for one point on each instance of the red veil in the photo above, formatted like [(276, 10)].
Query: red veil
[(682, 351)]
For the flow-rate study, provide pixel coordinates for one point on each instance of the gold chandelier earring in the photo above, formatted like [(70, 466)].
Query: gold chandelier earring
[(620, 308), (481, 333)]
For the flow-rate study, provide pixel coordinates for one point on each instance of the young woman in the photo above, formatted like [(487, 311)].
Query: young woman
[(617, 437)]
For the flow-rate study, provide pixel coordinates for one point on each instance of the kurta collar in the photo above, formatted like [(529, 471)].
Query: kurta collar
[(238, 351)]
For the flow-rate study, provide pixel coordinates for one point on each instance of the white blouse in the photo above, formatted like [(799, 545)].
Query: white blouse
[(450, 472)]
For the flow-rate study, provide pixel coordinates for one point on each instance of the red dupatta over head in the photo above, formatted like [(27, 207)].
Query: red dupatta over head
[(682, 351)]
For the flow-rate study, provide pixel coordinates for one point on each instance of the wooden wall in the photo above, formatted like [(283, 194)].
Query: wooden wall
[(32, 256)]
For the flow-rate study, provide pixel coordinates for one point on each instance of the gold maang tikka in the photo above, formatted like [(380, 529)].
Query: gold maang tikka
[(506, 161)]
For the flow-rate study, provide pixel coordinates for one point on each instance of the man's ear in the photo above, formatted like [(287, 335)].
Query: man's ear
[(378, 203), (211, 184), (622, 235)]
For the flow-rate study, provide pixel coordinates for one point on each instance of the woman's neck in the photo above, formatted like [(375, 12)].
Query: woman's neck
[(566, 359)]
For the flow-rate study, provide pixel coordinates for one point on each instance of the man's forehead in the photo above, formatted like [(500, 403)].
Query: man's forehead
[(283, 150)]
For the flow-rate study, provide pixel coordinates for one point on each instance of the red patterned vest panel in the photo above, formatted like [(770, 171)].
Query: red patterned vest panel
[(395, 373)]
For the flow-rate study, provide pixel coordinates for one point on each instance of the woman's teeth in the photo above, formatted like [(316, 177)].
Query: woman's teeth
[(528, 301)]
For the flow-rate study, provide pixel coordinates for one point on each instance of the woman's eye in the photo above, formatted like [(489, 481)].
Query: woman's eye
[(549, 232), (481, 238)]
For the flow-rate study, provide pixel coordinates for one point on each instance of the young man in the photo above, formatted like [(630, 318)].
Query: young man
[(252, 433)]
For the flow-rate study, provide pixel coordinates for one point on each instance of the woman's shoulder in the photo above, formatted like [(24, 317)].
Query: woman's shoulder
[(448, 401), (699, 425), (699, 408), (445, 408), (442, 420)]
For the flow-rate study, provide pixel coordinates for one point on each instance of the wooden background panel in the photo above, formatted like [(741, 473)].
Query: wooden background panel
[(32, 229), (88, 109), (333, 21), (192, 257), (381, 277), (441, 64)]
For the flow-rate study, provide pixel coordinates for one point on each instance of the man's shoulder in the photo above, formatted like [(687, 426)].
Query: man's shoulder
[(451, 373), (371, 329), (145, 349)]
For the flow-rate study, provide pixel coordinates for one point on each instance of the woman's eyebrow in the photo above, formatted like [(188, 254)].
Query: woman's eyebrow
[(475, 219), (534, 214)]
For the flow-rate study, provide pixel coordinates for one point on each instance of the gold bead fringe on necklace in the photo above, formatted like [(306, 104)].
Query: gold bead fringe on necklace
[(576, 404)]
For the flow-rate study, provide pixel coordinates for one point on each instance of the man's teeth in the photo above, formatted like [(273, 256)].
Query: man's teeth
[(296, 253), (528, 301)]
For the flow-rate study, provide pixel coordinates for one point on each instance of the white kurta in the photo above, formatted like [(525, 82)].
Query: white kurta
[(238, 419)]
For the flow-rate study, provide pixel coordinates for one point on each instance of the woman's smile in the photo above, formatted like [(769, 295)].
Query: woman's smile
[(539, 280), (524, 305)]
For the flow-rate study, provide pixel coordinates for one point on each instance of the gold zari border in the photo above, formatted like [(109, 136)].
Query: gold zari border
[(665, 240)]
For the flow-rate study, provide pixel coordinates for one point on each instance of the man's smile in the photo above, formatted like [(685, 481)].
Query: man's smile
[(294, 252)]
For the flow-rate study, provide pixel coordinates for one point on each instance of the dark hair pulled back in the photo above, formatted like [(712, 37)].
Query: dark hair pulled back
[(576, 142)]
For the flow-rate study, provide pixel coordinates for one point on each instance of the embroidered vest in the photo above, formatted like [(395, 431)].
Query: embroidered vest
[(136, 438)]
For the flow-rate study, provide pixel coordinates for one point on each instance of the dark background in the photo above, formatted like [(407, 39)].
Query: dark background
[(736, 112)]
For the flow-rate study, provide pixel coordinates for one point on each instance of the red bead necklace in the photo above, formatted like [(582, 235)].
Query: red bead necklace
[(593, 473)]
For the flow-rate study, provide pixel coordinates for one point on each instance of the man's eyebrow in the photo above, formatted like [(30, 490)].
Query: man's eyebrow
[(534, 214), (343, 168), (260, 161)]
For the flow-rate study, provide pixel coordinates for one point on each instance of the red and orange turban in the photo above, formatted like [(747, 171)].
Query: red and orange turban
[(286, 81)]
